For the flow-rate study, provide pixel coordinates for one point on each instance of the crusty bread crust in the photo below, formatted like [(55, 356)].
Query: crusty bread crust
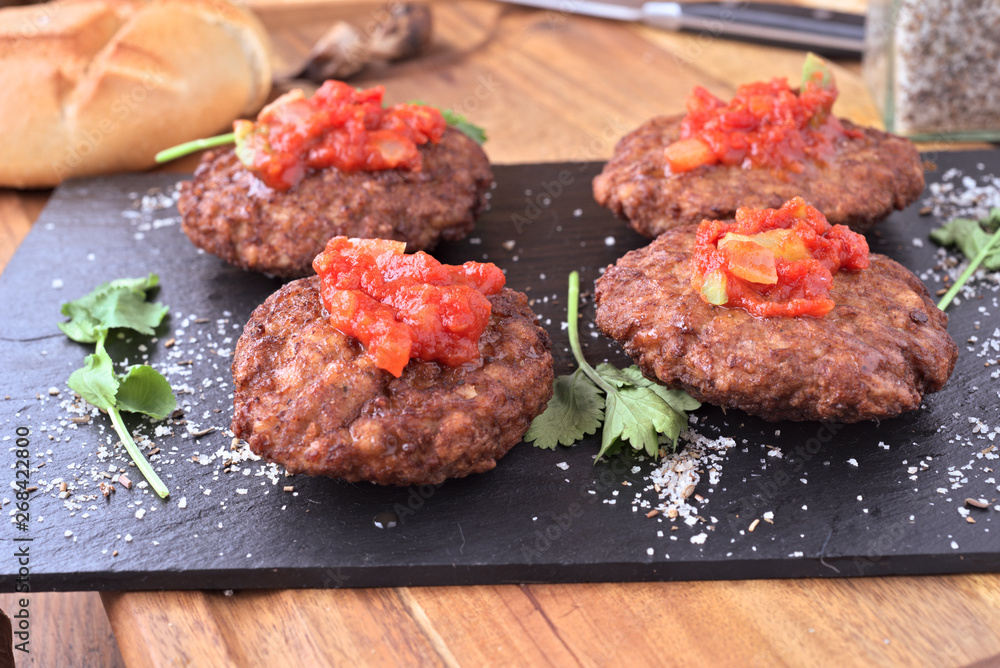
[(99, 86)]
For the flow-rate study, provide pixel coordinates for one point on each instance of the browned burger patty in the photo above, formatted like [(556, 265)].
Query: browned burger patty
[(861, 184), (882, 347), (230, 213), (309, 398)]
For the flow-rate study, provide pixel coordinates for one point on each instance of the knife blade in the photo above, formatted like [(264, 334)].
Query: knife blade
[(826, 32)]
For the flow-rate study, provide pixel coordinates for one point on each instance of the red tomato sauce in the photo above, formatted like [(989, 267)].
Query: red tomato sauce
[(775, 262), (339, 126), (402, 307), (766, 124)]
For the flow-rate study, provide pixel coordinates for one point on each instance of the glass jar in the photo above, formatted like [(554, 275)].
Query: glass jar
[(933, 67)]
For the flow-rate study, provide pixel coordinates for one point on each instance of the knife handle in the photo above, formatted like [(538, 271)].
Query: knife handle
[(828, 33)]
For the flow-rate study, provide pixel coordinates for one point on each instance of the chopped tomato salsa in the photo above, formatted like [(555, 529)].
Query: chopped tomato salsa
[(339, 126), (775, 262), (402, 307), (766, 124)]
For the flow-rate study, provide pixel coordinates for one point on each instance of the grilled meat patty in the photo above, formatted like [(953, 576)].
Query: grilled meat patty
[(875, 355), (860, 185), (309, 398), (230, 213)]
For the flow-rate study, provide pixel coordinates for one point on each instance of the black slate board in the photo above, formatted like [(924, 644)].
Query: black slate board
[(529, 520)]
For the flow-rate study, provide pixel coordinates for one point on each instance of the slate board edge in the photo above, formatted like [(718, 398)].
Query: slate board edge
[(498, 574)]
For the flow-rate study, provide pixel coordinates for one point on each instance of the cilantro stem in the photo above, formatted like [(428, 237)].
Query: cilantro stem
[(572, 315), (973, 265), (133, 450), (179, 151)]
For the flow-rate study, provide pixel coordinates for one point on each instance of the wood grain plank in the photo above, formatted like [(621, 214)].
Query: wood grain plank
[(342, 627), (860, 622), (846, 622), (169, 629), (67, 629), (18, 210), (507, 628), (265, 628)]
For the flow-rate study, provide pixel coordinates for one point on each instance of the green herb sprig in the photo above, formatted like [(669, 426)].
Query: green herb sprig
[(633, 408), (975, 242), (179, 151), (120, 304)]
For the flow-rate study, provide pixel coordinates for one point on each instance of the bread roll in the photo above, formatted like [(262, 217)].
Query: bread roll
[(99, 86)]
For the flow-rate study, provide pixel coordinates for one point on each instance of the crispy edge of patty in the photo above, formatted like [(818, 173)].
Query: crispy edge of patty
[(308, 397), (861, 185), (884, 345), (231, 214)]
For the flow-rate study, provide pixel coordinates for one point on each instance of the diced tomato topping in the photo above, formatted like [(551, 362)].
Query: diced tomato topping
[(775, 262), (339, 126), (685, 154), (766, 124), (402, 307)]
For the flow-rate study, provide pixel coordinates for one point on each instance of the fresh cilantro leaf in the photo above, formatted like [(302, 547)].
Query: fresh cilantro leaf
[(636, 415), (82, 327), (622, 377), (975, 243), (142, 284), (120, 304), (460, 123), (96, 381), (575, 410), (636, 410), (970, 237), (126, 309), (144, 390), (679, 400)]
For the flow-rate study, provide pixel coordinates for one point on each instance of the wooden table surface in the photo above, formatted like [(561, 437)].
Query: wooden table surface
[(548, 86)]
